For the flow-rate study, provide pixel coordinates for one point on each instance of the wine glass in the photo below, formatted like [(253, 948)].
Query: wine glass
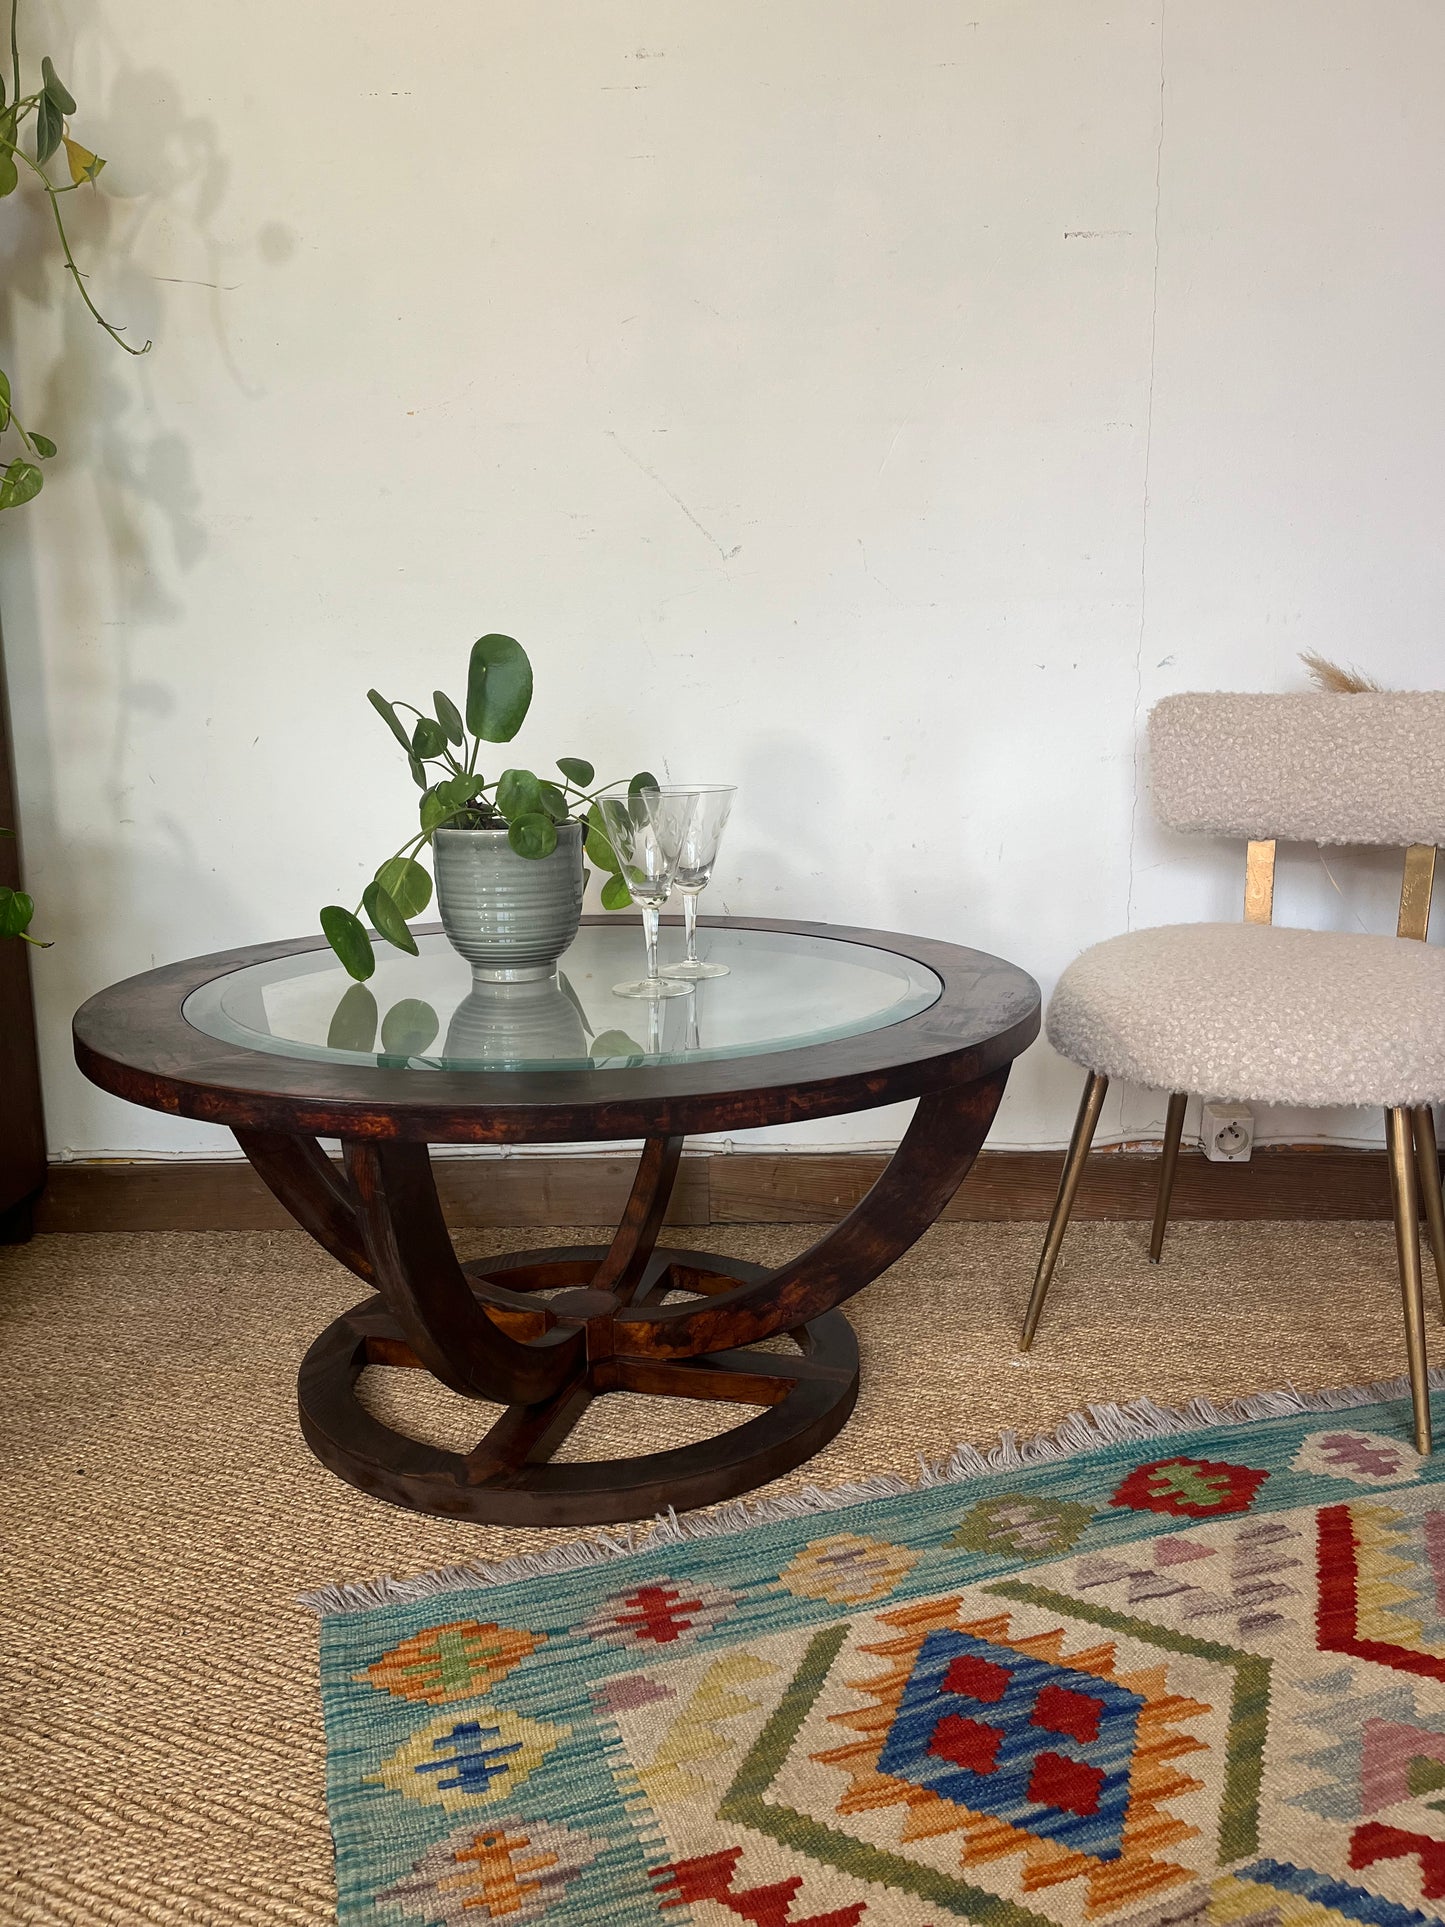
[(713, 802), (648, 830)]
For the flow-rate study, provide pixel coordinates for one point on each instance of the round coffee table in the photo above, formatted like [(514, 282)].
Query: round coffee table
[(278, 1044)]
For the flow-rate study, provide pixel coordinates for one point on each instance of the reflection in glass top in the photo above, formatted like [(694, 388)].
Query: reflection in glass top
[(426, 1013)]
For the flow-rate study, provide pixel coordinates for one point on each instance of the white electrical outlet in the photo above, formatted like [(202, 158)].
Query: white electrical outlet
[(1227, 1132)]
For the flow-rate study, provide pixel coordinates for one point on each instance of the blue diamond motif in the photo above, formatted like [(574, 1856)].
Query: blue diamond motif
[(972, 1728)]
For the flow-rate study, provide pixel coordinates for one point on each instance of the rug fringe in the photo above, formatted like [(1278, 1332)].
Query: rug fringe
[(1090, 1430)]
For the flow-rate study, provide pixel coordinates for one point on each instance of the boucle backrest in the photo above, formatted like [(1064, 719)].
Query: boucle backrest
[(1304, 769)]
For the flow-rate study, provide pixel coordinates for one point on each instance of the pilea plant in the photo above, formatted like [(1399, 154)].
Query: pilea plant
[(443, 748)]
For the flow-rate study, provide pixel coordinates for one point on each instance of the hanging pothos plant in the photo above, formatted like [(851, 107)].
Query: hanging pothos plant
[(27, 153)]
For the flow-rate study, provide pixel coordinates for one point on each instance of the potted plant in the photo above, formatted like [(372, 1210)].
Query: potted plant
[(507, 850)]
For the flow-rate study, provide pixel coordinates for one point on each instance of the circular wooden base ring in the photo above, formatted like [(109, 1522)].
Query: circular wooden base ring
[(372, 1456)]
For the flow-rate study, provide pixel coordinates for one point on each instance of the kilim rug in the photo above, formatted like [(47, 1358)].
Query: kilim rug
[(1193, 1674)]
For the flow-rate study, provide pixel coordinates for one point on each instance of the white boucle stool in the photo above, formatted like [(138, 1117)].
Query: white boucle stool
[(1266, 1015)]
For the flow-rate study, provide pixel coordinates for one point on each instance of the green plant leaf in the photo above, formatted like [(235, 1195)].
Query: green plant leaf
[(533, 836), (389, 716), (16, 910), (19, 483), (56, 90), (644, 780), (44, 447), (4, 400), (553, 801), (380, 906), (84, 166), (518, 793), (408, 1027), (49, 127), (418, 774), (448, 715), (353, 1022), (427, 739), (576, 770), (457, 791), (347, 937), (406, 883), (499, 688), (9, 175), (615, 894), (599, 845), (434, 808)]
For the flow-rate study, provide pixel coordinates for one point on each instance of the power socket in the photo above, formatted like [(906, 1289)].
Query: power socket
[(1227, 1132)]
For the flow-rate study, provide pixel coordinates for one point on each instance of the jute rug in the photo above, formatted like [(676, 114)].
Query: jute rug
[(160, 1737), (1196, 1676)]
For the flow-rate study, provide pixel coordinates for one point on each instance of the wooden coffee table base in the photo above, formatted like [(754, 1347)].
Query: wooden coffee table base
[(807, 1392)]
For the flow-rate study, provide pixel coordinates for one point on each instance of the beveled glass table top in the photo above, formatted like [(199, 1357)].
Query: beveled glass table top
[(783, 991)]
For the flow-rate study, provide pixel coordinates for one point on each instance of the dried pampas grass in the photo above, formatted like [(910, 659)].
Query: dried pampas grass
[(1336, 681)]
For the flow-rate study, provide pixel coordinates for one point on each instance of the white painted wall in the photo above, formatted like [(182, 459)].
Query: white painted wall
[(878, 404)]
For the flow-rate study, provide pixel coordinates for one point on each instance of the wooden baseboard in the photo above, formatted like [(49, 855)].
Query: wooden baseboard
[(740, 1188)]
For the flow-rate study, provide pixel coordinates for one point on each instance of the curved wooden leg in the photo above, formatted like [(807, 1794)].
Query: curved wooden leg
[(936, 1154), (621, 1270), (301, 1176), (427, 1293)]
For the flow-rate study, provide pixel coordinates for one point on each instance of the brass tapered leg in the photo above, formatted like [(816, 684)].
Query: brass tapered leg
[(1427, 1157), (1085, 1124), (1407, 1246), (1173, 1131)]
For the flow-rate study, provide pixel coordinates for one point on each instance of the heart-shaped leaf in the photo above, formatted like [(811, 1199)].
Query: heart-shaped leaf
[(576, 770), (458, 791), (380, 906), (499, 688), (427, 739), (389, 716), (20, 482), (44, 447), (408, 1028), (347, 937), (448, 715), (353, 1022), (9, 175), (644, 780), (406, 883), (49, 127), (56, 90), (16, 910), (614, 1043), (518, 793), (615, 894), (435, 808), (532, 836), (84, 166)]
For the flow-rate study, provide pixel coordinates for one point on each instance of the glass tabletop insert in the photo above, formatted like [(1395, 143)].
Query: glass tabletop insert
[(425, 1012)]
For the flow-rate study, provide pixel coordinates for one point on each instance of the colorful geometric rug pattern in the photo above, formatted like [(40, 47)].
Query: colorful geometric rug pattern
[(1194, 1681)]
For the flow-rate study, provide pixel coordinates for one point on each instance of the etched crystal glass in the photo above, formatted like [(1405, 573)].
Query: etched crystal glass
[(712, 804), (648, 831)]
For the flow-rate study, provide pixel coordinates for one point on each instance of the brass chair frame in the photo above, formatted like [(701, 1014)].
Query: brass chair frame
[(1409, 1132)]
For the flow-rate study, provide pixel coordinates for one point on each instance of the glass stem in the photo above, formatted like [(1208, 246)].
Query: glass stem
[(689, 917), (649, 932)]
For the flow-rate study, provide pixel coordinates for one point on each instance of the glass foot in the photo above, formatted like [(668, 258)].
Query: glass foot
[(692, 971), (651, 987)]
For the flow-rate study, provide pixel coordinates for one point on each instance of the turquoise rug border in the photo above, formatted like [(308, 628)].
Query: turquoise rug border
[(363, 1726)]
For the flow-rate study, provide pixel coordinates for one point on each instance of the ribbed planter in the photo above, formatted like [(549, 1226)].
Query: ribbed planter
[(510, 916)]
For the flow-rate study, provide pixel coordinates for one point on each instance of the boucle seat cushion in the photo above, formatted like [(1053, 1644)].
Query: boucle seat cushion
[(1258, 1013)]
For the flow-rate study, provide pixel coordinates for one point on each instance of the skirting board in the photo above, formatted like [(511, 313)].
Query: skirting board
[(738, 1188)]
